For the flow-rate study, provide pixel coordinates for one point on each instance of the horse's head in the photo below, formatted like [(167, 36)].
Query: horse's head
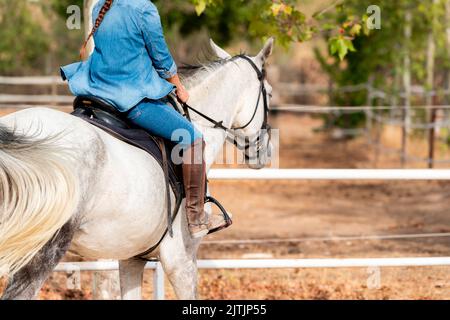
[(251, 120)]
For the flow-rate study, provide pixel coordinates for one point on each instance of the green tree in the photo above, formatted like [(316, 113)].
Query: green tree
[(22, 40), (238, 19), (234, 19), (24, 49), (379, 54)]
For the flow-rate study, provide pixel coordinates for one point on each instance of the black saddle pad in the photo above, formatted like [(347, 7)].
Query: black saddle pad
[(143, 140)]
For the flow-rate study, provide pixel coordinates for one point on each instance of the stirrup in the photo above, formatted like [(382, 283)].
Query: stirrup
[(228, 221)]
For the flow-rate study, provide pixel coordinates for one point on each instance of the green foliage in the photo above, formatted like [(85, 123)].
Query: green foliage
[(379, 54), (200, 5), (224, 20), (22, 41), (257, 20), (238, 19), (341, 46), (228, 20)]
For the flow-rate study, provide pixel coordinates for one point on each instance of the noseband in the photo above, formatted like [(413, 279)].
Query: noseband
[(232, 135)]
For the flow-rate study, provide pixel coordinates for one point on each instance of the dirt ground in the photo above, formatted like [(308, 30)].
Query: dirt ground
[(311, 210)]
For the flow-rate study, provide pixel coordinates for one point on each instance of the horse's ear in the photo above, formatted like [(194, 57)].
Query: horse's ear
[(220, 53), (266, 51)]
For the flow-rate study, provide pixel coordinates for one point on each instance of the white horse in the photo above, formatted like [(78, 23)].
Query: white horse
[(67, 185)]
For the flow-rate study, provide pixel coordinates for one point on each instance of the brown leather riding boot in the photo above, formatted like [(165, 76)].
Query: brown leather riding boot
[(194, 177)]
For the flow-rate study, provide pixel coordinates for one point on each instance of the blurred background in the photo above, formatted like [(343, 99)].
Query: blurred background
[(348, 93)]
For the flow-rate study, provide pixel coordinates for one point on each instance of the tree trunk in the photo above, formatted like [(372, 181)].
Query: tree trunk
[(445, 111), (447, 48), (393, 112), (431, 48), (406, 87), (430, 114)]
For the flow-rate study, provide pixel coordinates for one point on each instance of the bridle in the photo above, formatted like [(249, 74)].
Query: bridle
[(233, 136)]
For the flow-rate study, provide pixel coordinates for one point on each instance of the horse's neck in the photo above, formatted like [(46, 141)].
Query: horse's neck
[(218, 96)]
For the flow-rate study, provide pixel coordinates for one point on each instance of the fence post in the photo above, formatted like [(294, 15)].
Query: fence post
[(369, 112), (431, 139), (105, 285), (158, 282), (378, 136), (330, 119)]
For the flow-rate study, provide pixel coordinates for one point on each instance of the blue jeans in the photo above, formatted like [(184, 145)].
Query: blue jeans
[(162, 120)]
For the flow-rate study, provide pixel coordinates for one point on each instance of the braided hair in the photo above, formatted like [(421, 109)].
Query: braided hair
[(105, 8)]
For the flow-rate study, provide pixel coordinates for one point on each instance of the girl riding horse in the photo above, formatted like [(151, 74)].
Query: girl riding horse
[(132, 68)]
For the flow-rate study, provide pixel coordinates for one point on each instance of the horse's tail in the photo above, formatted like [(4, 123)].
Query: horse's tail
[(39, 194)]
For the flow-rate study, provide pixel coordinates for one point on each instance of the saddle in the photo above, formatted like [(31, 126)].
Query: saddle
[(105, 116)]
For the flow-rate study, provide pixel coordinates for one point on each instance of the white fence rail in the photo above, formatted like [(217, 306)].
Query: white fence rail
[(159, 283), (34, 99), (31, 81), (329, 174), (273, 263)]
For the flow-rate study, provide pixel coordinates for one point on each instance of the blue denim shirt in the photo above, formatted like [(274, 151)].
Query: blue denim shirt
[(130, 61)]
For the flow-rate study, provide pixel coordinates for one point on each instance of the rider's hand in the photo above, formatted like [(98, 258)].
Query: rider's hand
[(181, 91), (182, 94)]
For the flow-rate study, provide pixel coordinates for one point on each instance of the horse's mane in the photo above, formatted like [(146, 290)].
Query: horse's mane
[(193, 74)]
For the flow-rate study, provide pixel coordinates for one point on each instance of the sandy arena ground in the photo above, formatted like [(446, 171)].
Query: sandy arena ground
[(299, 209)]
